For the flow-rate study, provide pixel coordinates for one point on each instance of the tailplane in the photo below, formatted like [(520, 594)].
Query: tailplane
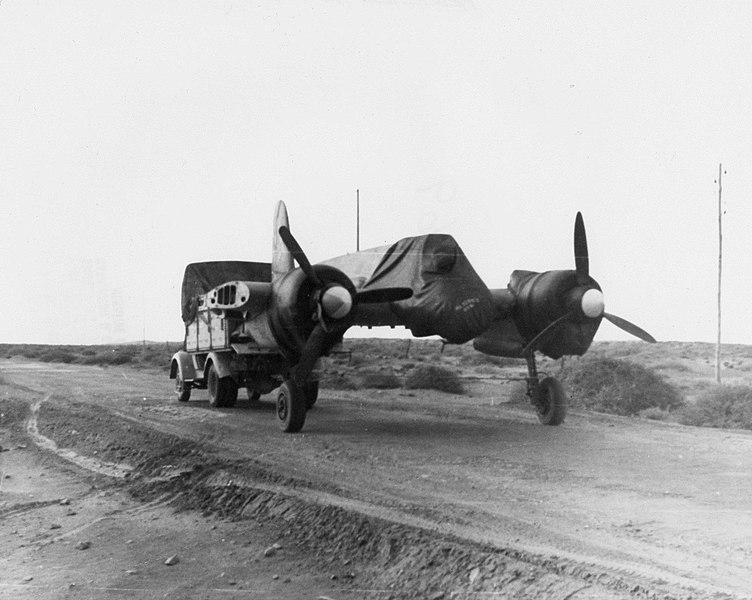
[(282, 261)]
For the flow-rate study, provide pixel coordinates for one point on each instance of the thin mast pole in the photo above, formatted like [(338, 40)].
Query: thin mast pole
[(720, 267), (357, 220)]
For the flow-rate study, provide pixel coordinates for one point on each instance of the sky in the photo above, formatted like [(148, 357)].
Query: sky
[(137, 137)]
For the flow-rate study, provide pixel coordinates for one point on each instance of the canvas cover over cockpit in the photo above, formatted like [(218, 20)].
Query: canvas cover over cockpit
[(449, 298), (201, 277)]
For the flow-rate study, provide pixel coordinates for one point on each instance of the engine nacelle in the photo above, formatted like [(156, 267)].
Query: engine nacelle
[(293, 308), (542, 298)]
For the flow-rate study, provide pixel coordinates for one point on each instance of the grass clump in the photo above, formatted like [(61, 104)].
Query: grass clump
[(619, 387), (431, 377), (725, 406)]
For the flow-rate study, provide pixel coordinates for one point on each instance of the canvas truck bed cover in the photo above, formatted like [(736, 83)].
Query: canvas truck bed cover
[(201, 277)]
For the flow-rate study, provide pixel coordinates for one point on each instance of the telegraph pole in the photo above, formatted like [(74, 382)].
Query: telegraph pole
[(357, 220), (720, 266)]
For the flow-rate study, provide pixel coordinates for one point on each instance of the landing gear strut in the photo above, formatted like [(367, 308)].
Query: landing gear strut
[(546, 395)]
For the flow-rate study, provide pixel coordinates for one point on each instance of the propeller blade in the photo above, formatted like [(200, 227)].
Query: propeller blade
[(312, 350), (630, 328), (298, 254), (384, 295), (581, 260), (546, 331)]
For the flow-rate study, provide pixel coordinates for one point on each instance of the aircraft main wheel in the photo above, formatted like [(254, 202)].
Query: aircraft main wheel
[(291, 407), (253, 395), (182, 389), (223, 391), (550, 401), (311, 391)]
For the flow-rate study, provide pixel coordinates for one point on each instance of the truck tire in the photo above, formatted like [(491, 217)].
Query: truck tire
[(291, 407), (182, 389), (223, 391)]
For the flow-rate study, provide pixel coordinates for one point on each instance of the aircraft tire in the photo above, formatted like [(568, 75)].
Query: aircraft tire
[(253, 395), (311, 391), (223, 391), (291, 407), (182, 389), (550, 402)]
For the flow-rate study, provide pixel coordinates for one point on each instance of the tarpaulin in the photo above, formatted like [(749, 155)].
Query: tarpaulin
[(199, 278), (449, 298)]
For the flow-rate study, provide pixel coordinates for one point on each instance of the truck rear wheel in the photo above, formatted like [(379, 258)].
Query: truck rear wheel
[(223, 391), (291, 407)]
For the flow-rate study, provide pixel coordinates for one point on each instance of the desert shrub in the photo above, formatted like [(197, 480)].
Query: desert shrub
[(380, 380), (431, 377), (57, 355), (725, 406), (618, 387)]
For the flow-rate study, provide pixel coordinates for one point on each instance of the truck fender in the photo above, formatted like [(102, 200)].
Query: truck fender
[(221, 362), (183, 361)]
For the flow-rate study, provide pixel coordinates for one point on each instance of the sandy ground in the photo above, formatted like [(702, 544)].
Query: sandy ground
[(385, 494)]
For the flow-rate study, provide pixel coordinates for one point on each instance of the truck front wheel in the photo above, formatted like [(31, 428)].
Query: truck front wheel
[(182, 389), (223, 391)]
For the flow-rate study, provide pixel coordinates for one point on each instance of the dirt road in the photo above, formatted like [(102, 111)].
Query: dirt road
[(384, 494)]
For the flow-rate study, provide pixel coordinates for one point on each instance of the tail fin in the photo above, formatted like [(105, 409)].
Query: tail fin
[(282, 261)]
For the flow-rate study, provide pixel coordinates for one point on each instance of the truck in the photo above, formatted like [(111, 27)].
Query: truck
[(229, 343)]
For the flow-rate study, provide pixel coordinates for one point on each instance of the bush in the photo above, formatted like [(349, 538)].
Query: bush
[(60, 356), (726, 406), (618, 387), (430, 377)]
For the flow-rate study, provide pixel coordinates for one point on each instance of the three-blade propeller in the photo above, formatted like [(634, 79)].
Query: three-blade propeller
[(590, 306), (334, 303), (586, 301)]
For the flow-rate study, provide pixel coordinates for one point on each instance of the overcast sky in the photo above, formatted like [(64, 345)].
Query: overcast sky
[(136, 137)]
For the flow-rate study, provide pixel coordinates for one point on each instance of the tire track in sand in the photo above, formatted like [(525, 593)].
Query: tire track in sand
[(97, 466)]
